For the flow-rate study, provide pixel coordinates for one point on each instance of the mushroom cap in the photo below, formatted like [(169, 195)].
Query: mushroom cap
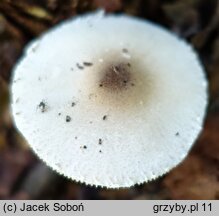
[(109, 100)]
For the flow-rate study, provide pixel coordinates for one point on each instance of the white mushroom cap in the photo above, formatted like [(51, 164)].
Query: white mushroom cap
[(109, 100)]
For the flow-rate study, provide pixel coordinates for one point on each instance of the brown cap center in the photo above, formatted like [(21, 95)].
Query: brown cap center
[(116, 77)]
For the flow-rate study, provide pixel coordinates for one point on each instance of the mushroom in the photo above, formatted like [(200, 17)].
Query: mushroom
[(139, 95)]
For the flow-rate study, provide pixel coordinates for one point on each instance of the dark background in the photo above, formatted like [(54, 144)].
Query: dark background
[(23, 176)]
